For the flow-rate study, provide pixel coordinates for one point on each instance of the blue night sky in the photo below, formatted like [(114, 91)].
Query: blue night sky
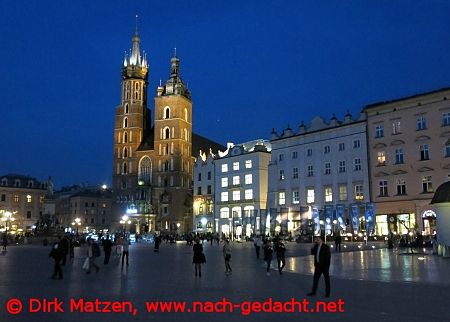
[(251, 66)]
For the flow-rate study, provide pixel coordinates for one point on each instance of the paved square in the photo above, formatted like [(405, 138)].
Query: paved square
[(375, 285)]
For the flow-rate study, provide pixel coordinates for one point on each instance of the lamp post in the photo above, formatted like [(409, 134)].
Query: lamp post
[(77, 223), (125, 220)]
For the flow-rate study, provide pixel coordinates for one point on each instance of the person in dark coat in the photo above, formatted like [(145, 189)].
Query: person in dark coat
[(337, 242), (57, 254), (199, 258), (268, 251), (157, 242), (322, 259), (280, 250), (64, 249), (4, 242), (107, 248)]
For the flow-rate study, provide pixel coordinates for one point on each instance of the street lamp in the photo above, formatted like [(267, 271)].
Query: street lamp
[(77, 222), (125, 220)]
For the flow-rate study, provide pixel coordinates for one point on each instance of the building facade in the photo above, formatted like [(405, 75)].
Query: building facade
[(240, 189), (320, 167), (204, 177), (153, 163), (21, 203), (409, 157)]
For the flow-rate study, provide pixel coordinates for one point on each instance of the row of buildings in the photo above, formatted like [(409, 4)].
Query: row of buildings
[(387, 162)]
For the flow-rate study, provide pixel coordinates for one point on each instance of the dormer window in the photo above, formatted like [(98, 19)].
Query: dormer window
[(17, 183), (4, 182), (30, 184)]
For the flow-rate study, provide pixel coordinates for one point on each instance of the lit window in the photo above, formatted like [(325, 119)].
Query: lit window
[(281, 175), (295, 197), (381, 158), (328, 194), (224, 196), (310, 195), (248, 179), (224, 182), (327, 168), (248, 194), (248, 164), (359, 192), (224, 213), (235, 166), (281, 198), (16, 198), (236, 195), (224, 167), (236, 180), (29, 198)]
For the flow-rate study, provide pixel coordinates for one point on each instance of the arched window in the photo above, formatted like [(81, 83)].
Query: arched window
[(124, 168), (126, 108), (125, 122), (136, 90), (125, 137), (127, 94), (167, 133), (125, 152), (145, 170), (166, 112)]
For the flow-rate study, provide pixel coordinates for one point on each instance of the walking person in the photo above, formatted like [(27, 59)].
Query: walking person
[(337, 242), (107, 248), (157, 242), (64, 248), (226, 250), (322, 259), (125, 250), (92, 253), (199, 258), (4, 242), (268, 252), (57, 254), (257, 243), (280, 250)]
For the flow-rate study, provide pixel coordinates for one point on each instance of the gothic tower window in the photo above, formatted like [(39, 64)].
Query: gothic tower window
[(126, 108), (125, 137), (125, 122), (124, 168), (136, 91), (167, 133), (125, 152), (166, 112), (127, 93), (145, 170)]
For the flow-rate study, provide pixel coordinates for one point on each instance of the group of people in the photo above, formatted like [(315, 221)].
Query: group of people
[(320, 251), (64, 246)]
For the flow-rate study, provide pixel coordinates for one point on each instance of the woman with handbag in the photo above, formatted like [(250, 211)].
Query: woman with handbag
[(227, 256), (199, 257)]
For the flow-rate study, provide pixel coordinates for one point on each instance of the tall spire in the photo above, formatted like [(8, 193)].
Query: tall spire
[(175, 85), (135, 62)]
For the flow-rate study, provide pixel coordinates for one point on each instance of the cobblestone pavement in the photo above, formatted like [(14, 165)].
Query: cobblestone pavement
[(373, 285)]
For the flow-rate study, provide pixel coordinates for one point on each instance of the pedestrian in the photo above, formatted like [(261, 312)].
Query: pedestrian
[(337, 242), (226, 250), (64, 247), (4, 242), (199, 258), (268, 251), (280, 250), (92, 253), (257, 244), (107, 247), (56, 253), (119, 246), (125, 250), (322, 259), (157, 243)]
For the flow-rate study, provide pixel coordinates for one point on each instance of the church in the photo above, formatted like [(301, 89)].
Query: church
[(153, 161)]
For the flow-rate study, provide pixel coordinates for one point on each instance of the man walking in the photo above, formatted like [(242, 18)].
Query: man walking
[(107, 247), (322, 259), (125, 250)]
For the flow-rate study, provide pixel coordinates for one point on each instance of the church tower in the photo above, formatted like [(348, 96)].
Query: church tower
[(173, 168), (132, 124)]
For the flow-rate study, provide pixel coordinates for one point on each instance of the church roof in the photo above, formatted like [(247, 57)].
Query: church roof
[(442, 193)]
